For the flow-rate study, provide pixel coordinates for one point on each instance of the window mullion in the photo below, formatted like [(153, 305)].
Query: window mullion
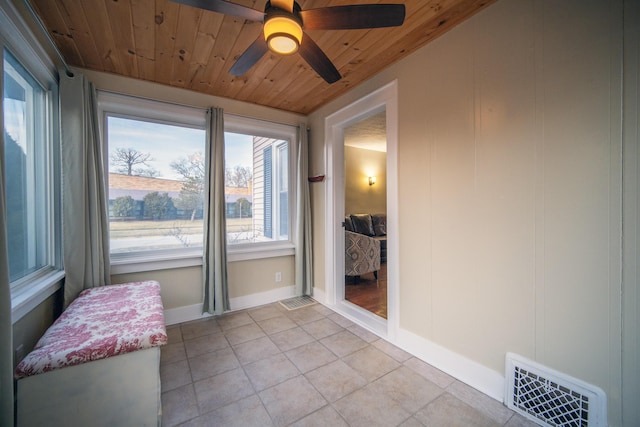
[(32, 190)]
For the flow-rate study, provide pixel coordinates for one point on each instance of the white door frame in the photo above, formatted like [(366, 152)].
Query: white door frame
[(385, 98)]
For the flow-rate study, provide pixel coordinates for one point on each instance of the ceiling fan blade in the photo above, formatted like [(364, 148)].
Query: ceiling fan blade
[(283, 4), (311, 53), (249, 57), (225, 7), (353, 17)]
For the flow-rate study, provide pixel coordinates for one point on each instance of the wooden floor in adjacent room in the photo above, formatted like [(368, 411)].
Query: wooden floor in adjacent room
[(366, 294)]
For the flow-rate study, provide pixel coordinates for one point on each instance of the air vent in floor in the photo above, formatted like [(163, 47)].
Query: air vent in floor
[(551, 398), (297, 302)]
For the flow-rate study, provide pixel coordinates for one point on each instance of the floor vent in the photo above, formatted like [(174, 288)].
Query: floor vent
[(551, 398), (297, 302)]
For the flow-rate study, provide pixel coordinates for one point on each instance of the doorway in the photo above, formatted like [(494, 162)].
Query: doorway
[(365, 191), (382, 101)]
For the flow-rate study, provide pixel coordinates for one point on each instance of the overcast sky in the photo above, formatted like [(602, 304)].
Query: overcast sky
[(167, 143)]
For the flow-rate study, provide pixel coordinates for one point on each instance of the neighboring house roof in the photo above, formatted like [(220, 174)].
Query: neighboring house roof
[(238, 190), (139, 186), (233, 194), (118, 181)]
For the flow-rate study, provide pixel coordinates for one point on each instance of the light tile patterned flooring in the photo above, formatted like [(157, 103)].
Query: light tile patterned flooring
[(308, 367)]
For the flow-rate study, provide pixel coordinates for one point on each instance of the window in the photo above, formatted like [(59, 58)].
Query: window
[(155, 162), (154, 155), (30, 183), (257, 165)]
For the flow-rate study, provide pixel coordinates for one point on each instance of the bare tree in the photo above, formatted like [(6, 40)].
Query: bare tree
[(192, 171), (238, 176), (127, 160)]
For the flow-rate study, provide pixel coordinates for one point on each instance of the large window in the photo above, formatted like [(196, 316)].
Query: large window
[(155, 160), (154, 155), (257, 163), (30, 183)]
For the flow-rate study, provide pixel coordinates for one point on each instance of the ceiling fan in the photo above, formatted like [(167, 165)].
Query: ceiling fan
[(285, 22)]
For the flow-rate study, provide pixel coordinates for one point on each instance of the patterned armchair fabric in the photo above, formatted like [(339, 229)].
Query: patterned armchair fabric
[(362, 254), (374, 225)]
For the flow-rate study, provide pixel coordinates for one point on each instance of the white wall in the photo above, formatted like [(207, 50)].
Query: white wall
[(510, 189)]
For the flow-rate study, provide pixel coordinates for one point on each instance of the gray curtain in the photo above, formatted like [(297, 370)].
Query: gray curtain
[(216, 290), (6, 327), (304, 244), (84, 206)]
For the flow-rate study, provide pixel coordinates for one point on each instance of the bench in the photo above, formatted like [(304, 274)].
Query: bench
[(99, 363)]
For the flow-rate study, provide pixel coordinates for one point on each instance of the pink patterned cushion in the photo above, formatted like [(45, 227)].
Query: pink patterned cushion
[(102, 322)]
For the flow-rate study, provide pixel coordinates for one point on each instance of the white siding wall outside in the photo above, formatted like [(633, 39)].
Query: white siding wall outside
[(259, 144)]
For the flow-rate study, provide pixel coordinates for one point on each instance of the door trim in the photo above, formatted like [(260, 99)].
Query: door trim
[(385, 98)]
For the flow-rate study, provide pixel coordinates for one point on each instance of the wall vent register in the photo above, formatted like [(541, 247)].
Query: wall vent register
[(551, 398)]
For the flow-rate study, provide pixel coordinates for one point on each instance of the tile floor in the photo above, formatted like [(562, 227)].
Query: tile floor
[(308, 367)]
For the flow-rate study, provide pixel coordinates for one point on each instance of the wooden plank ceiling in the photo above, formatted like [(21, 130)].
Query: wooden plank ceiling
[(181, 46)]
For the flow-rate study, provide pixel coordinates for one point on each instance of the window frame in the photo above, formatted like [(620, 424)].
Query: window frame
[(256, 127), (278, 190), (134, 108), (17, 39)]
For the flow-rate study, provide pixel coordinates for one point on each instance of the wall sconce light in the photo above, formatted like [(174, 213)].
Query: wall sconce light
[(372, 180)]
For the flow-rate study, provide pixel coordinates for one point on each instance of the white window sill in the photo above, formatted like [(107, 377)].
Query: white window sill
[(27, 295), (150, 261), (154, 261), (259, 251)]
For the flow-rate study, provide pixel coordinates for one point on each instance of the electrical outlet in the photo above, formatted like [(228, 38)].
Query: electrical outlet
[(19, 353), (278, 277)]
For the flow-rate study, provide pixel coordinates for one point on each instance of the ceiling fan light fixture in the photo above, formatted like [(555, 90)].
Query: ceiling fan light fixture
[(283, 33)]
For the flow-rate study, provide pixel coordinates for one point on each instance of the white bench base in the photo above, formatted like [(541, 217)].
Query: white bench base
[(121, 390)]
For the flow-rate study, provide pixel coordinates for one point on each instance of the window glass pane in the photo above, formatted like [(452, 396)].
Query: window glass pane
[(156, 183), (25, 148), (256, 188)]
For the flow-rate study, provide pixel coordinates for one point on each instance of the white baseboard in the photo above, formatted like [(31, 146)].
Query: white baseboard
[(187, 313), (261, 298), (461, 368), (318, 295)]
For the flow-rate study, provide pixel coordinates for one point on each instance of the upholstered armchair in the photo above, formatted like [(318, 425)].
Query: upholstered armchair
[(362, 254)]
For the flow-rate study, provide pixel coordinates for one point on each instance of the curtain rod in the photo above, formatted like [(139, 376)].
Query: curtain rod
[(263, 120), (35, 16), (178, 104)]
